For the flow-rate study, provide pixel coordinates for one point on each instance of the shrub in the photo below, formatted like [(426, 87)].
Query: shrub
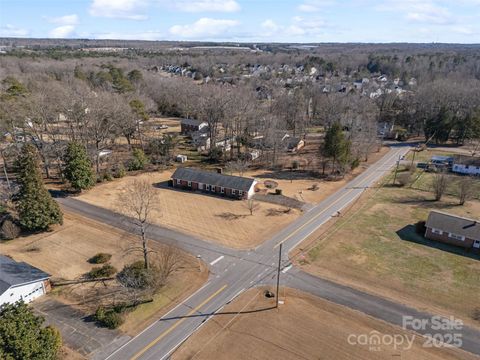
[(138, 161), (420, 228), (404, 179), (136, 276), (108, 317), (107, 176), (100, 258), (9, 230), (106, 270), (355, 163), (120, 171)]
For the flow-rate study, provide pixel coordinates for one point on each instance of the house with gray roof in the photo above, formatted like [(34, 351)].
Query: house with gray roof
[(454, 230), (21, 281), (214, 183), (188, 126)]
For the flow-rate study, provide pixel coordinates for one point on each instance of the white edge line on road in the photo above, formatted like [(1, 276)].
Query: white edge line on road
[(345, 205), (216, 260), (155, 322), (234, 296)]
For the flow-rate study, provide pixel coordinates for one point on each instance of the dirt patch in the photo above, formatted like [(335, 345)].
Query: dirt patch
[(212, 218), (305, 327)]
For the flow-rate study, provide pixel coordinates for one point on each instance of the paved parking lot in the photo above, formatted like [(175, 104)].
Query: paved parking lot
[(78, 331)]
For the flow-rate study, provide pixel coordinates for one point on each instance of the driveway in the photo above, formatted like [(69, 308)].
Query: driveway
[(78, 332)]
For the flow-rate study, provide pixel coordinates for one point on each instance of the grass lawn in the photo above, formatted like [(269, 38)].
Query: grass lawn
[(387, 257)]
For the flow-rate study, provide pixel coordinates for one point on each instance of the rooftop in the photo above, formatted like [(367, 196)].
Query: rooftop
[(458, 225), (14, 273), (213, 178), (191, 122), (467, 160)]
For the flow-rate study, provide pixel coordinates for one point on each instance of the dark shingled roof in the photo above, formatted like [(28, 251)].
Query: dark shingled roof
[(454, 224), (191, 122), (213, 178), (16, 273)]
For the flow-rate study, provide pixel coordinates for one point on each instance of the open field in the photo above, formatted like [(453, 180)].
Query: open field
[(387, 257), (64, 254), (305, 327), (212, 218)]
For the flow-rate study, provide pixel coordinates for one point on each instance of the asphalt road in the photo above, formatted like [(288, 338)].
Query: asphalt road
[(234, 271)]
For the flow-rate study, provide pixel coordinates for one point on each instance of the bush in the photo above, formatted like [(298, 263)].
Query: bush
[(404, 179), (120, 171), (106, 270), (136, 276), (107, 176), (108, 317), (100, 258), (9, 230), (420, 228), (355, 163), (139, 160)]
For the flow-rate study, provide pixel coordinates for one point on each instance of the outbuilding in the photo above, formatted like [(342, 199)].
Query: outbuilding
[(21, 281), (189, 126), (467, 165), (214, 183)]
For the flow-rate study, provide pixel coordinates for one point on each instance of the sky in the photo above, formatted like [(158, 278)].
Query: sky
[(302, 21)]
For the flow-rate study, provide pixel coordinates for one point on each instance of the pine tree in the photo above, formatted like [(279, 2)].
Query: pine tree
[(37, 210), (336, 146), (22, 335), (78, 167)]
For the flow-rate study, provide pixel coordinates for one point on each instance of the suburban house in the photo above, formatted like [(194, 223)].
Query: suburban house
[(188, 126), (467, 165), (454, 230), (214, 183), (21, 281), (295, 144), (442, 161)]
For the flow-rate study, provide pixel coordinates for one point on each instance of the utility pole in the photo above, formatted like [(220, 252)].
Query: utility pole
[(396, 170), (413, 158), (278, 273)]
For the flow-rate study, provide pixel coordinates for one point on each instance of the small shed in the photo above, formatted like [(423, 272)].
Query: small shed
[(181, 158)]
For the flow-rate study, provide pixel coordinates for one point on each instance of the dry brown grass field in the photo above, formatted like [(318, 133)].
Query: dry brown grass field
[(304, 327)]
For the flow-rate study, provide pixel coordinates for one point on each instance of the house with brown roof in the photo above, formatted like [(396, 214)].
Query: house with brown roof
[(214, 183), (454, 230)]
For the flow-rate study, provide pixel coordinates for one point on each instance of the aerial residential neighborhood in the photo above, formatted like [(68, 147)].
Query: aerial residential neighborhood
[(239, 180)]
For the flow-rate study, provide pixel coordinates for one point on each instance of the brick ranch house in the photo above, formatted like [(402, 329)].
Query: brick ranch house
[(453, 230), (214, 183)]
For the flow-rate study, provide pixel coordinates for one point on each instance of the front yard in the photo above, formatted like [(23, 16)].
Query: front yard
[(387, 257)]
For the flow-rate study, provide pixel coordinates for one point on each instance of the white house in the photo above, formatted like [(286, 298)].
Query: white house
[(20, 281), (467, 165)]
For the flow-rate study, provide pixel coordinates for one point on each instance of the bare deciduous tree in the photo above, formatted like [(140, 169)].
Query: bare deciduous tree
[(139, 201), (465, 189), (439, 184), (252, 205)]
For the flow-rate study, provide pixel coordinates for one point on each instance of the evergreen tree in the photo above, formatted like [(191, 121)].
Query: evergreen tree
[(23, 337), (78, 167), (37, 210), (336, 146)]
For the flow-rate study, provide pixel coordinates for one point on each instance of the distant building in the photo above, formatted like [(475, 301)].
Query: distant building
[(214, 183), (188, 126), (21, 281), (467, 165), (295, 144), (453, 230)]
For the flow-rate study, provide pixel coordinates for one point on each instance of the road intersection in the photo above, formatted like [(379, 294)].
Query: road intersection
[(234, 271)]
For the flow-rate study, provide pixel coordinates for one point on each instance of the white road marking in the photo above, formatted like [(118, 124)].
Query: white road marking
[(216, 260)]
